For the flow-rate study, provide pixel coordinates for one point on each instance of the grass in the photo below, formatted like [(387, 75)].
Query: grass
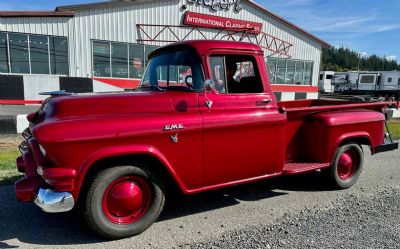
[(394, 128), (8, 171)]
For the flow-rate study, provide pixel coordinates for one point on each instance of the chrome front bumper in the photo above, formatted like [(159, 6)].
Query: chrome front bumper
[(54, 202)]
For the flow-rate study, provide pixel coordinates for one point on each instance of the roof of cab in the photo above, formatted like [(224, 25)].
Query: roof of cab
[(204, 46)]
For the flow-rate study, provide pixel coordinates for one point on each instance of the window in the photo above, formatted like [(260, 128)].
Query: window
[(33, 54), (367, 79), (398, 81), (321, 76), (288, 71), (280, 71), (177, 69), (271, 66), (308, 71), (39, 51), (235, 74), (329, 76), (390, 80), (3, 53), (120, 60), (58, 55), (299, 74), (19, 53), (136, 61), (147, 51), (101, 59)]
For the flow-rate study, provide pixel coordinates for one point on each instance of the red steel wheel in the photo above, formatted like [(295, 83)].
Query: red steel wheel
[(348, 163), (126, 200), (123, 201), (347, 166)]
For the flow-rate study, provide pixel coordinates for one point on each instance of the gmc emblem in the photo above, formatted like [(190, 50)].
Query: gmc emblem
[(174, 127)]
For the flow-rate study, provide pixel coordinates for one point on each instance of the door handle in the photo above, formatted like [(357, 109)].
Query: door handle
[(262, 102)]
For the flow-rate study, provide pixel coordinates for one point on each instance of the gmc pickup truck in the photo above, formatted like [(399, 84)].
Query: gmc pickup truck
[(203, 118)]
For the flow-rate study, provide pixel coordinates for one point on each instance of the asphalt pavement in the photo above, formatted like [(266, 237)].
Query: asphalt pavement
[(258, 215)]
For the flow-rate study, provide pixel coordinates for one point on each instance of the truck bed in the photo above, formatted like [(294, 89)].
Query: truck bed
[(306, 139), (318, 105)]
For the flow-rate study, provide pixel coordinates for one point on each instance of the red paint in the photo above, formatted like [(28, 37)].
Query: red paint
[(347, 164), (235, 141), (126, 200), (211, 21), (121, 83), (19, 102), (294, 88)]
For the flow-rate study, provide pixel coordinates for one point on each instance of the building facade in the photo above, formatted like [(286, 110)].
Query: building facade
[(104, 46)]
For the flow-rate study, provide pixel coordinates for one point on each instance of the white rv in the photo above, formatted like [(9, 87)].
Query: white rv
[(325, 80), (382, 83), (343, 82)]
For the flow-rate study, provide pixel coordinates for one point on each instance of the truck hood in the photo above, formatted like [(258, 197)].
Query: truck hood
[(79, 105)]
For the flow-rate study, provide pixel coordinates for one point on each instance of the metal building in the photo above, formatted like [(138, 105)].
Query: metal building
[(104, 46)]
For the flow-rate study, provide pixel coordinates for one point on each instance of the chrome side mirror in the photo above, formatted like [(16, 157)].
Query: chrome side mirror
[(209, 85)]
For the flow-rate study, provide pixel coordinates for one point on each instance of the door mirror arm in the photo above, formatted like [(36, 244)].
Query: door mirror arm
[(209, 87)]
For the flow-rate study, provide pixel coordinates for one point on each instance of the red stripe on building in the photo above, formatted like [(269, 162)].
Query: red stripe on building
[(121, 83), (294, 88), (20, 102)]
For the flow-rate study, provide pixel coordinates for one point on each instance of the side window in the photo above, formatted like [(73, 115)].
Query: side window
[(235, 74), (389, 80), (217, 64)]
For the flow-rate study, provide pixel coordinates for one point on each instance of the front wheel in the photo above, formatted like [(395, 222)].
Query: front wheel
[(346, 167), (123, 201)]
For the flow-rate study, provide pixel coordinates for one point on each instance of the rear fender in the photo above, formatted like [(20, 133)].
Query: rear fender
[(124, 151)]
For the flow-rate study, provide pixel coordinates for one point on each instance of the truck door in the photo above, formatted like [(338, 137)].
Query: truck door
[(242, 128)]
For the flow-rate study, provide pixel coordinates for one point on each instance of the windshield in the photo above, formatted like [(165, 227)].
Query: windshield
[(175, 70)]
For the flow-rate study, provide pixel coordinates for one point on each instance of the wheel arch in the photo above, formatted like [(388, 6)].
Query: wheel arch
[(127, 155), (360, 138)]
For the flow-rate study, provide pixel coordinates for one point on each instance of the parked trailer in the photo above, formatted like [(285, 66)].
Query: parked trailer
[(325, 80), (379, 84)]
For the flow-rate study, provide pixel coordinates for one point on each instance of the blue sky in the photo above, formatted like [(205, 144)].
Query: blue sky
[(367, 26)]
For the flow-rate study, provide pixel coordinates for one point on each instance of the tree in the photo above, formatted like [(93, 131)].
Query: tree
[(344, 59)]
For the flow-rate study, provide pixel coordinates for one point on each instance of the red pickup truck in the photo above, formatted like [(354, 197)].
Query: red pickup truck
[(203, 118)]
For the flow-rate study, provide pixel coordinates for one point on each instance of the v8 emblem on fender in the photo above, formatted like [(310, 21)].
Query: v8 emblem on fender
[(174, 127), (175, 138)]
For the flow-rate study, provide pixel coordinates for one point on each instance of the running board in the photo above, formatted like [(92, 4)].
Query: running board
[(298, 168)]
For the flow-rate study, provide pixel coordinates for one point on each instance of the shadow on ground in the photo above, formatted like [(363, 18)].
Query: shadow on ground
[(26, 223)]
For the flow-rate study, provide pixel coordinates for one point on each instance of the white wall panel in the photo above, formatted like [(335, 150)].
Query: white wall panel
[(118, 23), (57, 26)]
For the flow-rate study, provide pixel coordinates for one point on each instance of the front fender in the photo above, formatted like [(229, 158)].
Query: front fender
[(125, 150)]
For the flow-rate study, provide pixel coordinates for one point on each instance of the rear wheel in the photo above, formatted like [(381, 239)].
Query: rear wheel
[(346, 167), (123, 201)]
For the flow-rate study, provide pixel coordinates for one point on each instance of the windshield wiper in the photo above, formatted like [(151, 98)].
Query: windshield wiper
[(152, 86)]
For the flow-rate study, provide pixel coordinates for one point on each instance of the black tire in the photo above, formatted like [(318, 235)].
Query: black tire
[(339, 178), (97, 218)]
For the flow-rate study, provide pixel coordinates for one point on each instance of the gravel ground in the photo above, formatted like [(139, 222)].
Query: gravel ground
[(355, 223), (286, 212), (10, 141)]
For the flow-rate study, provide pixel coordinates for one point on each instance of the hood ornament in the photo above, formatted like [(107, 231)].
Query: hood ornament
[(56, 93)]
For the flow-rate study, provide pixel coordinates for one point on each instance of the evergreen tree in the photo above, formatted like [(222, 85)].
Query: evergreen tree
[(344, 59)]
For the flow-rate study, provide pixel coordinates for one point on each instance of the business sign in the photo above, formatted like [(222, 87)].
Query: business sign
[(219, 4), (210, 21)]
